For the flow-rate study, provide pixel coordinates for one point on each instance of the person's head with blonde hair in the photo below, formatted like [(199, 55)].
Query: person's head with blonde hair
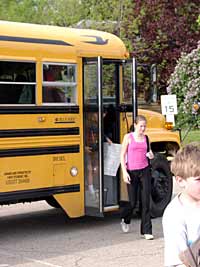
[(186, 162), (138, 119)]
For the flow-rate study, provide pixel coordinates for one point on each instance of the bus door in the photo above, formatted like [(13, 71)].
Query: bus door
[(93, 148), (111, 132), (102, 114), (119, 99), (128, 107)]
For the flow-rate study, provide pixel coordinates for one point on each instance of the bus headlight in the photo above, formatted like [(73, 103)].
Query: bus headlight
[(74, 171)]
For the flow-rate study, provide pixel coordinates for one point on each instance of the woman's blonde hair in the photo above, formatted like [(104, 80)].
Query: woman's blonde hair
[(187, 160), (137, 119), (140, 118)]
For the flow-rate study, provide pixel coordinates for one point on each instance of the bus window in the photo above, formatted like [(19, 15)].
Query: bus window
[(109, 83), (17, 82), (127, 84), (59, 83)]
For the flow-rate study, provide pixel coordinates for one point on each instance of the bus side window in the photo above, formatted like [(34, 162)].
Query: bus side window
[(17, 82), (58, 87), (27, 95), (53, 95)]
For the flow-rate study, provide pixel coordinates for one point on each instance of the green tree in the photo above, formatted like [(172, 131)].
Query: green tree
[(159, 31), (154, 31), (61, 13), (26, 11), (106, 15)]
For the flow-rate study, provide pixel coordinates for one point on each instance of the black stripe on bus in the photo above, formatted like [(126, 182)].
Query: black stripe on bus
[(39, 110), (33, 40), (18, 152), (38, 193), (39, 132), (64, 122)]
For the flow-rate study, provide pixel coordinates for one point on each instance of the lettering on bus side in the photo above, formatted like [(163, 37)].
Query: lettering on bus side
[(64, 120), (17, 177), (59, 158)]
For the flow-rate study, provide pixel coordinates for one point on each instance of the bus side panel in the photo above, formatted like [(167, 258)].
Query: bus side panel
[(35, 172), (42, 176)]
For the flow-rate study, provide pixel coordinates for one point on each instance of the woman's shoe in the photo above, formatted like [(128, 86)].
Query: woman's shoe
[(124, 226), (148, 236)]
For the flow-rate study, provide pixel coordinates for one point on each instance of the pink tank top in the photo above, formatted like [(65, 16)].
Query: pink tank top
[(136, 154)]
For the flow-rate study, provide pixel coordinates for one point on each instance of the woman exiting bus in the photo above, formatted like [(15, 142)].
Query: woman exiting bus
[(135, 155)]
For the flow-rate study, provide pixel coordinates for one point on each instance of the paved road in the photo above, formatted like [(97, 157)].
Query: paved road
[(36, 235)]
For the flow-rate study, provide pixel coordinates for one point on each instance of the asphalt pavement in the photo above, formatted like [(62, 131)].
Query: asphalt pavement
[(36, 235)]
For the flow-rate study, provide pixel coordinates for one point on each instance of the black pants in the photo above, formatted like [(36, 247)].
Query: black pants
[(140, 179)]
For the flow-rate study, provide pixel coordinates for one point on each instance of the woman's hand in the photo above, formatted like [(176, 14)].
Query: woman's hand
[(109, 140), (88, 149), (126, 178), (150, 155), (123, 154)]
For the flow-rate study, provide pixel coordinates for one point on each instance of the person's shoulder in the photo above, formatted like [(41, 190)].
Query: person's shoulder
[(173, 208), (127, 136)]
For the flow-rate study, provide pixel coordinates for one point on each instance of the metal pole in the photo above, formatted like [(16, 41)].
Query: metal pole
[(100, 109), (134, 88)]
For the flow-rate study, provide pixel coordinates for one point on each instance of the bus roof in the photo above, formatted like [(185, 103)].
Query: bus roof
[(53, 41)]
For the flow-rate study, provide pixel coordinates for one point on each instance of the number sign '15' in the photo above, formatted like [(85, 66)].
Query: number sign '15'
[(168, 104)]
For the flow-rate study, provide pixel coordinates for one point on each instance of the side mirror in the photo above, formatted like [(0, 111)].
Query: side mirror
[(153, 73)]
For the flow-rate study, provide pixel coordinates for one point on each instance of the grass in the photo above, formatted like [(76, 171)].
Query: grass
[(193, 135)]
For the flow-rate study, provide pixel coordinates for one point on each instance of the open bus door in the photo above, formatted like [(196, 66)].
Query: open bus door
[(103, 81), (93, 157)]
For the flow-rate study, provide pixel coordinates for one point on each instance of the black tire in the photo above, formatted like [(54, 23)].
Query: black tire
[(52, 202), (162, 185)]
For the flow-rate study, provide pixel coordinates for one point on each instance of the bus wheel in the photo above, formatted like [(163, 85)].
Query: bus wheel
[(162, 184), (52, 202)]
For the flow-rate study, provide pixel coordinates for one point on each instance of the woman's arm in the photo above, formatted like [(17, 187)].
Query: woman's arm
[(123, 154), (108, 139), (150, 154)]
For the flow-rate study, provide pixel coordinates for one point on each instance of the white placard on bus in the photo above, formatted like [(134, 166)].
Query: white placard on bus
[(168, 104)]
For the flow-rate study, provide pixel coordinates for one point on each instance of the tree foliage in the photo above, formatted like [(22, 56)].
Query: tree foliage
[(185, 83), (154, 31), (160, 31), (60, 12)]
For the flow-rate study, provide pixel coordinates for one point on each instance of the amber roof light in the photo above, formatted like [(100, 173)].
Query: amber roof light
[(169, 125)]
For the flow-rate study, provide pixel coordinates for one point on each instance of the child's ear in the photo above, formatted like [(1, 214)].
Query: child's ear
[(181, 182)]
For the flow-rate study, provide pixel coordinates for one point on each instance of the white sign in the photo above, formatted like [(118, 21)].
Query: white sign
[(111, 158), (168, 104), (170, 118)]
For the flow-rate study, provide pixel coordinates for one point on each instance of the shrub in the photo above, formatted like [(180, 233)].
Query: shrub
[(185, 83)]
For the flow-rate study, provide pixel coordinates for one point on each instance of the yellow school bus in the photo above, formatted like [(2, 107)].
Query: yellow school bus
[(55, 85)]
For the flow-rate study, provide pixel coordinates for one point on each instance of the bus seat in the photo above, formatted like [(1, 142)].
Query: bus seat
[(53, 95)]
